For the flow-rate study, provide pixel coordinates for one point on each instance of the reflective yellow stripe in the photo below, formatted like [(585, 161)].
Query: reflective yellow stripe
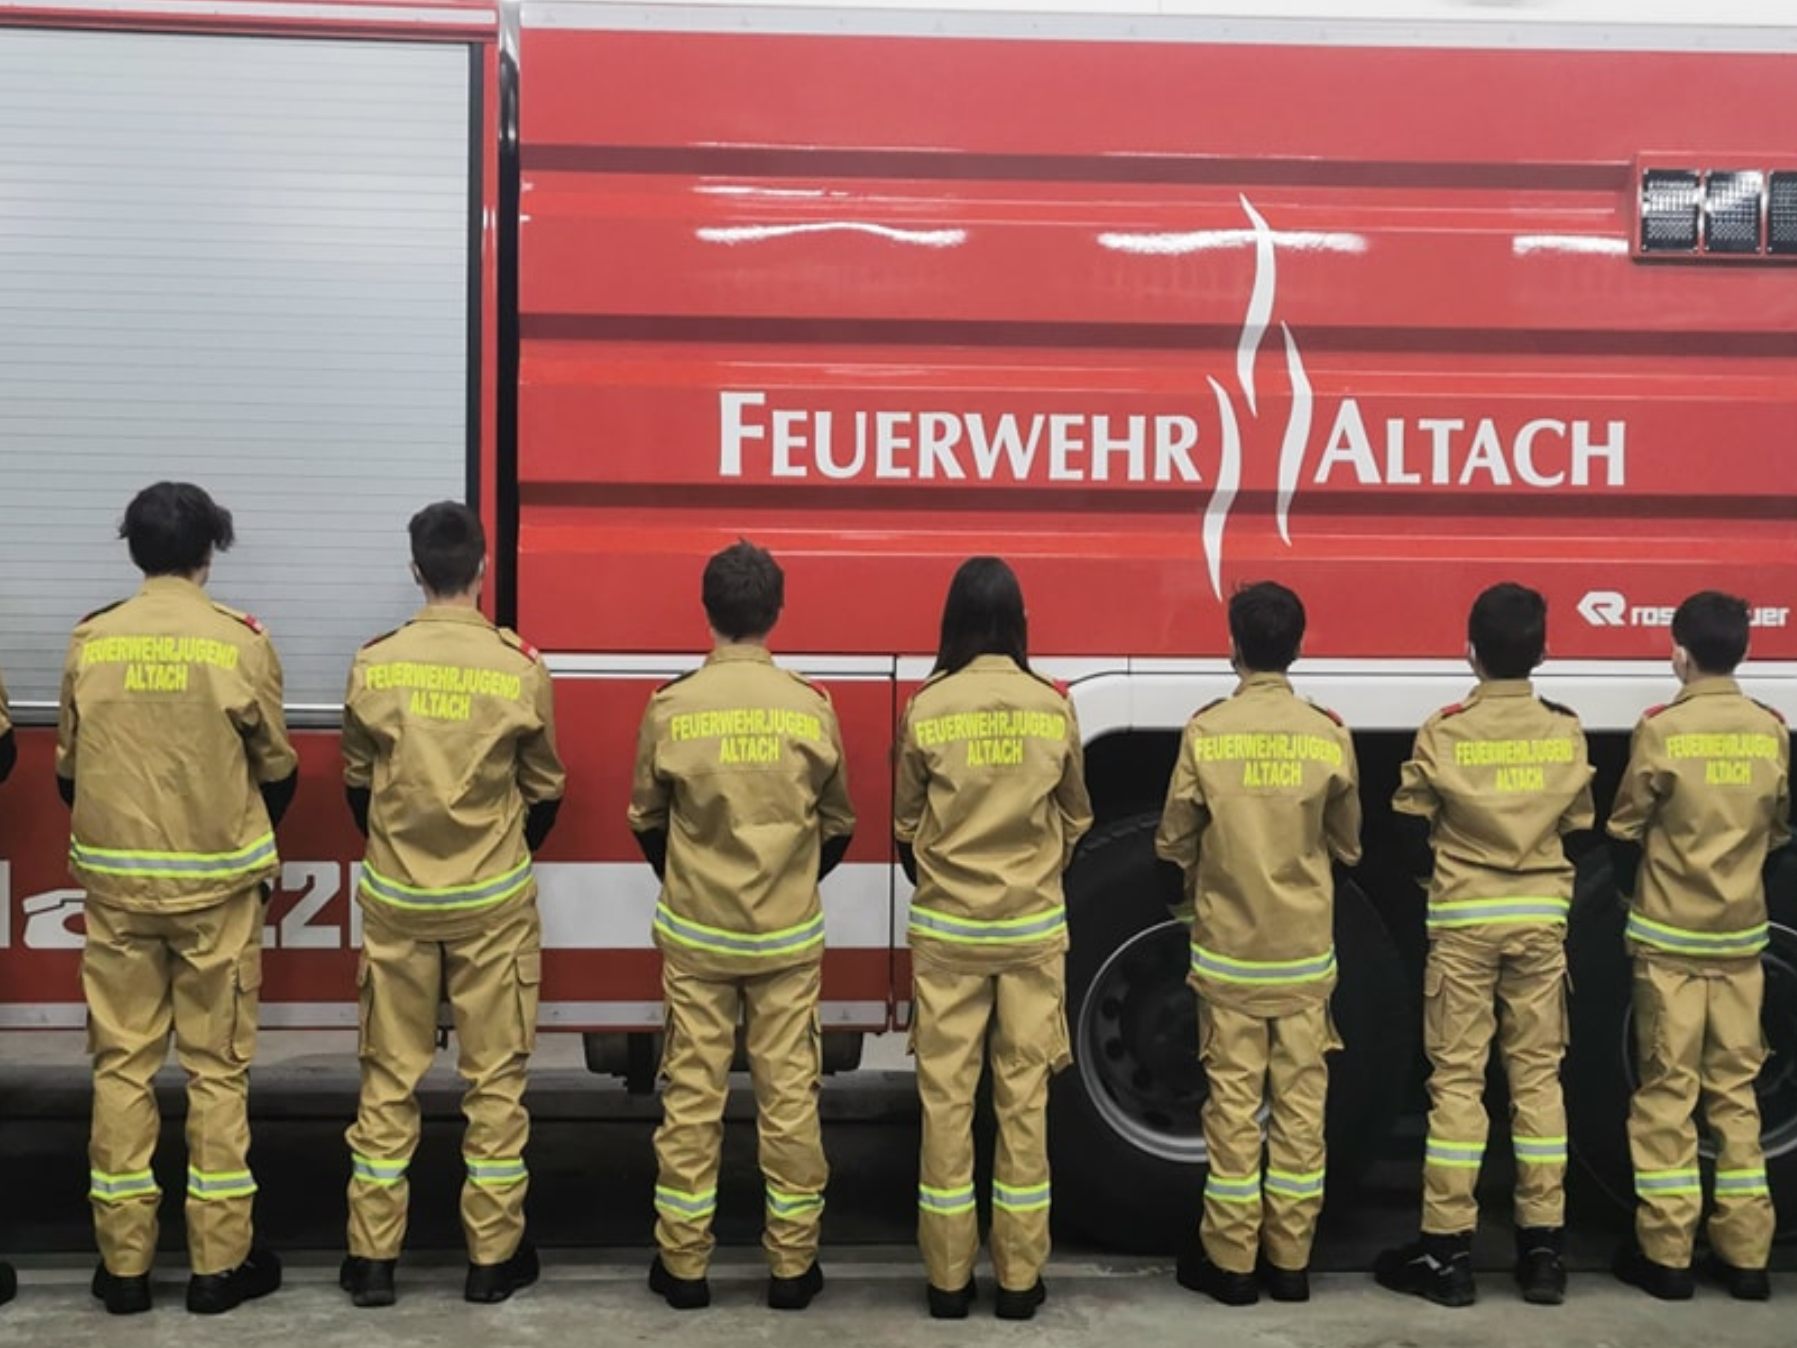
[(1021, 1197), (1262, 973), (1660, 1183), (717, 941), (1680, 941), (1498, 912), (217, 1184), (945, 1202), (116, 1188), (173, 865), (449, 898), (987, 931)]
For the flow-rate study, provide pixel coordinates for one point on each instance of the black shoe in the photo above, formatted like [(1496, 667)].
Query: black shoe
[(1283, 1284), (123, 1296), (1743, 1284), (1657, 1280), (491, 1283), (9, 1283), (794, 1294), (369, 1282), (1540, 1272), (1020, 1305), (216, 1293), (683, 1294), (952, 1305), (1436, 1268), (1196, 1273)]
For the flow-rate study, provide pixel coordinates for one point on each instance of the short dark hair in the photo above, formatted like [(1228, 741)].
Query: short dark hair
[(1266, 621), (448, 546), (1508, 630), (983, 615), (1712, 626), (744, 590), (173, 528)]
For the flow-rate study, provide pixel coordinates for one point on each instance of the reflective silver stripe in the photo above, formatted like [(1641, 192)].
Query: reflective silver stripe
[(679, 1203), (1289, 1185), (1668, 1182), (978, 931), (115, 861), (1209, 964), (1472, 912), (496, 1173), (1245, 1189), (1020, 1198), (1679, 941), (476, 895), (112, 1188), (371, 1171), (945, 1202), (1539, 1148), (1455, 1155), (1741, 1182), (701, 937), (791, 1205), (223, 1184)]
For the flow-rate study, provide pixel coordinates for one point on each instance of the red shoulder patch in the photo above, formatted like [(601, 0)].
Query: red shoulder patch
[(250, 621), (1452, 709), (1062, 687), (1317, 706), (531, 653), (1654, 711)]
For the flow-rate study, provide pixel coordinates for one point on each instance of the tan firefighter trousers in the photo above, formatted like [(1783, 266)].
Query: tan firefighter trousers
[(785, 1047), (491, 980), (1020, 1014), (1698, 1034), (1508, 984), (196, 973), (1281, 1062)]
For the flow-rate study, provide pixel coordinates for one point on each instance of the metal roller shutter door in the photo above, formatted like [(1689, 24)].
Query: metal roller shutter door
[(242, 262)]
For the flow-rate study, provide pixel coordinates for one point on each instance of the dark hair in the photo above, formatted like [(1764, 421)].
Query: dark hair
[(1266, 621), (744, 590), (1713, 627), (1508, 630), (448, 546), (983, 615), (173, 528)]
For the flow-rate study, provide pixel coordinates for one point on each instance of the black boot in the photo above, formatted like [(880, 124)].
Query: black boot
[(1743, 1284), (794, 1294), (1657, 1280), (1020, 1305), (369, 1282), (216, 1293), (683, 1294), (1196, 1273), (491, 1283), (1283, 1284), (1540, 1271), (9, 1283), (1436, 1268), (123, 1296), (951, 1305)]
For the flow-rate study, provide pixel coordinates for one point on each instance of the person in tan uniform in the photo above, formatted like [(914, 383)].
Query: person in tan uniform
[(990, 801), (173, 754), (1705, 799), (1264, 795), (1495, 806), (450, 763), (740, 803), (9, 756)]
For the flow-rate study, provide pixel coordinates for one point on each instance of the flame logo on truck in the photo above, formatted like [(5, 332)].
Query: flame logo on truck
[(1297, 421)]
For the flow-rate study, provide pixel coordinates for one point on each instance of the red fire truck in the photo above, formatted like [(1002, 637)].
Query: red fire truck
[(1150, 298)]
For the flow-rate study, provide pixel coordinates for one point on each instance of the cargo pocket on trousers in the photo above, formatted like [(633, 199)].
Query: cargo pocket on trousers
[(1332, 1036), (1060, 1047), (667, 1041), (364, 1003), (246, 1000), (530, 988), (1434, 981), (817, 1050)]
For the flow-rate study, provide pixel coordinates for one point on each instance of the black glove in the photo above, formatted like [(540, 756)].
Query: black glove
[(908, 860), (655, 851), (9, 754), (359, 797), (829, 857), (1625, 864), (277, 796), (539, 820)]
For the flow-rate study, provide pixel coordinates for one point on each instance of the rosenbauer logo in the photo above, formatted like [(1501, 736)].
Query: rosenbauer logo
[(760, 437), (1610, 608)]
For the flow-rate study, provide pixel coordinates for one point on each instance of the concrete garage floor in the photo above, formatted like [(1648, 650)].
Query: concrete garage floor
[(874, 1301)]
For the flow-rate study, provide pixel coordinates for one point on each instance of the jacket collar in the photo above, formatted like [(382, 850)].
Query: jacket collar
[(731, 651), (1261, 681), (1704, 685), (451, 613), (1502, 688)]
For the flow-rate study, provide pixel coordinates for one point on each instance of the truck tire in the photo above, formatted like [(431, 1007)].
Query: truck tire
[(1129, 1157), (1600, 1063)]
